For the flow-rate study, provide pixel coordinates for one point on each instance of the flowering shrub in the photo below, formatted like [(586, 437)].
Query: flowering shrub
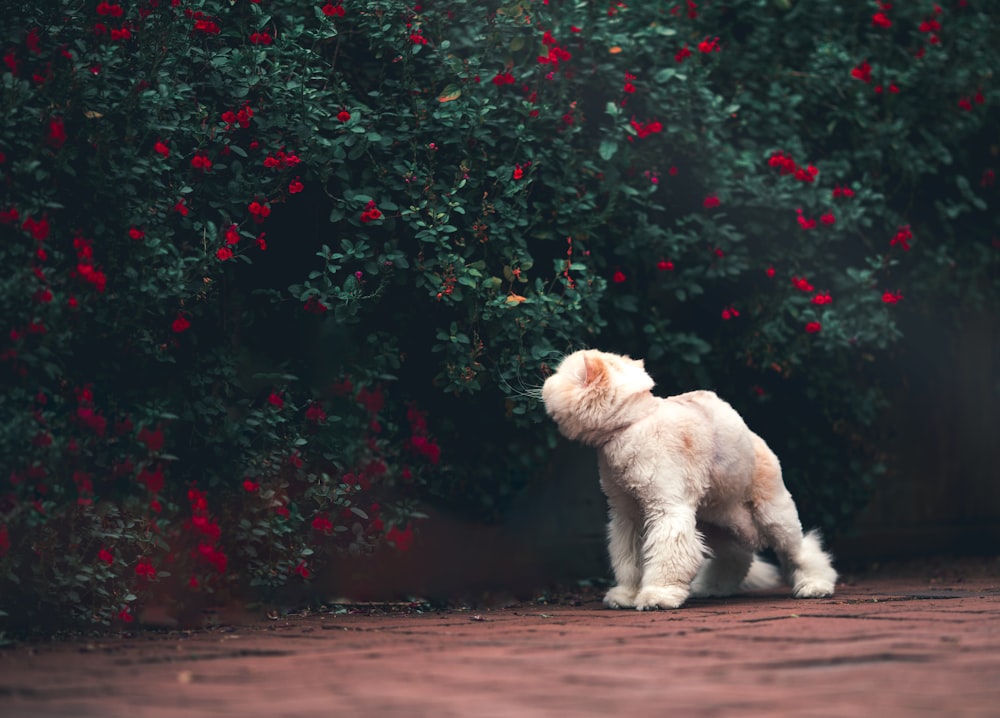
[(274, 270)]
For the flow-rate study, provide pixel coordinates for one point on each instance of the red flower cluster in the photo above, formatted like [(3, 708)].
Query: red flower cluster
[(281, 159), (85, 268), (503, 78), (202, 523), (822, 299), (315, 413), (692, 10), (202, 22), (891, 297), (261, 38), (683, 54), (709, 45), (802, 284), (711, 202), (295, 186), (331, 10), (259, 212), (786, 165), (314, 306), (400, 539), (643, 130), (965, 102), (200, 161), (37, 228), (556, 53), (180, 324), (805, 222), (145, 568), (845, 191), (57, 133), (813, 327), (323, 524), (902, 238), (730, 312), (629, 88), (862, 72), (241, 117), (371, 212)]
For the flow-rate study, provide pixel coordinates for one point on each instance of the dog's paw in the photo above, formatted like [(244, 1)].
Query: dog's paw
[(813, 588), (620, 597), (652, 597)]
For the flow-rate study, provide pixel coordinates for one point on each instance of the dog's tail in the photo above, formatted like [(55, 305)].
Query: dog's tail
[(761, 575)]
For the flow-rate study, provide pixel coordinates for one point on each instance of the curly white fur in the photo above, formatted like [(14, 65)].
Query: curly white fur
[(692, 492)]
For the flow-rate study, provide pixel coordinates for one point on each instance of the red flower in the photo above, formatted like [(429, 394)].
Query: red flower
[(161, 148), (618, 277), (322, 524), (822, 299), (295, 186), (813, 327), (314, 306), (665, 265), (802, 284), (250, 486), (503, 78), (770, 272), (426, 448), (302, 569), (331, 10), (57, 133), (518, 172), (400, 539), (644, 130), (232, 235), (136, 233), (711, 201), (891, 298), (180, 324), (839, 191), (730, 312), (261, 38), (223, 254), (880, 19), (371, 212), (827, 218), (105, 556), (315, 412), (152, 439), (683, 54), (181, 207), (902, 238), (343, 115), (126, 615), (152, 479), (862, 72), (37, 228), (275, 400), (145, 568), (200, 161), (707, 45)]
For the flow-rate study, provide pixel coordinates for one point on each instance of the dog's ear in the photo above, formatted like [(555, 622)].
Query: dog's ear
[(595, 370)]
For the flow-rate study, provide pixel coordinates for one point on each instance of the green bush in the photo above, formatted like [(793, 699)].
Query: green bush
[(276, 271)]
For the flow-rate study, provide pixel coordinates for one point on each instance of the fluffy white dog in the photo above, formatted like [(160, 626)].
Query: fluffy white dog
[(692, 492)]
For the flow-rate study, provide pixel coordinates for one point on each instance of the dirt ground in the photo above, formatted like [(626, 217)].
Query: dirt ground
[(902, 640)]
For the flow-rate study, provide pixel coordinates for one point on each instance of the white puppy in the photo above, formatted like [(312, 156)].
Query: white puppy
[(692, 492)]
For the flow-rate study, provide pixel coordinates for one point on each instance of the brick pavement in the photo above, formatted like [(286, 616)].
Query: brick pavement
[(893, 644)]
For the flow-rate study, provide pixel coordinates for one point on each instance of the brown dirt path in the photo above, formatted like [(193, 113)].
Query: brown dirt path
[(895, 643)]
